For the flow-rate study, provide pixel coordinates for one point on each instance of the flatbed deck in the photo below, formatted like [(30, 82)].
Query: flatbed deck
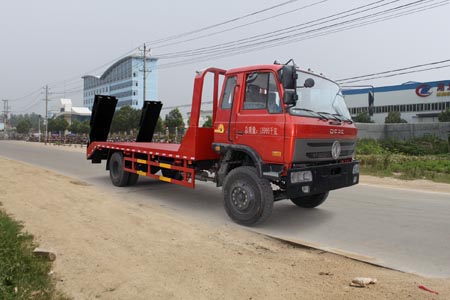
[(160, 149)]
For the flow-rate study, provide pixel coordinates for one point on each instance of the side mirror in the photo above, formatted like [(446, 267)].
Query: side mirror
[(290, 96), (309, 83), (288, 77)]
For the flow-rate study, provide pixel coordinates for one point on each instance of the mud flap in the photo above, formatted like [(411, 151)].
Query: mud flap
[(149, 119)]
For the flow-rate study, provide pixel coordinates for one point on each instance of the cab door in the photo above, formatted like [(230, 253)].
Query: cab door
[(260, 119), (224, 123)]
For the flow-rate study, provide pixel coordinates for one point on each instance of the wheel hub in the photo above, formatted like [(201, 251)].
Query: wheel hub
[(240, 198)]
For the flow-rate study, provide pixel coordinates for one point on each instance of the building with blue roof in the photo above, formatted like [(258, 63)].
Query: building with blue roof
[(418, 102), (125, 81)]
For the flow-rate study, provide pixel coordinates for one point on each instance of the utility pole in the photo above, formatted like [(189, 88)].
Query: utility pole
[(46, 114), (5, 117), (144, 57)]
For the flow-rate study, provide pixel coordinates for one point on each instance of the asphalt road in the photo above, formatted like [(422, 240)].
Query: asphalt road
[(397, 228)]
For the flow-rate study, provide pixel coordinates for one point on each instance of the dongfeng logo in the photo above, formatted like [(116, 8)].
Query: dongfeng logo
[(336, 150), (337, 131), (423, 90)]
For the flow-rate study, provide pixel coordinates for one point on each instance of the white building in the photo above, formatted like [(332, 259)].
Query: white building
[(417, 102), (71, 113)]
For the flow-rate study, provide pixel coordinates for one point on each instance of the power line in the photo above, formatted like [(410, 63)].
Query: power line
[(277, 32), (393, 75), (176, 36), (241, 26), (395, 70), (294, 38)]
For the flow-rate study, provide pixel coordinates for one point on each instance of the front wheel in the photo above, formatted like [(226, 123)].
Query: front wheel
[(248, 199), (310, 201)]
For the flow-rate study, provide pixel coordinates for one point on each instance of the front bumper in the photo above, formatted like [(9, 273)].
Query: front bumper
[(324, 178)]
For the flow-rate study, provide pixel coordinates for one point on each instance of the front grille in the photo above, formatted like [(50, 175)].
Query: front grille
[(307, 150)]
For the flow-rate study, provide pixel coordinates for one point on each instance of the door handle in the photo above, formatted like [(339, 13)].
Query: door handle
[(240, 132)]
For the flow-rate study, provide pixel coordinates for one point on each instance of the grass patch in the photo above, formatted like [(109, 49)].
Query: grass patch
[(22, 274), (427, 145), (431, 167)]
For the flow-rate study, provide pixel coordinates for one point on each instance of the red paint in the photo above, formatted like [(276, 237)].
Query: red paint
[(427, 289)]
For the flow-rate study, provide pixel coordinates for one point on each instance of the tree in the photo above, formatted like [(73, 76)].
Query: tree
[(78, 127), (33, 118), (125, 119), (174, 120), (74, 127), (23, 126), (394, 117), (84, 127), (208, 122), (57, 125), (444, 116), (160, 126), (363, 118)]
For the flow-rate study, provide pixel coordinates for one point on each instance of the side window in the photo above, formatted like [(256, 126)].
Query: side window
[(261, 92), (228, 94), (273, 101), (256, 90)]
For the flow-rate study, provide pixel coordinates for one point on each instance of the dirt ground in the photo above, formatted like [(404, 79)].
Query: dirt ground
[(112, 248)]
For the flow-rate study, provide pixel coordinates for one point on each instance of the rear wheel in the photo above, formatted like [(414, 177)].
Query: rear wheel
[(310, 201), (248, 199), (116, 172)]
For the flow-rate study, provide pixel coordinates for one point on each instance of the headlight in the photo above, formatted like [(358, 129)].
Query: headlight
[(301, 176), (356, 169)]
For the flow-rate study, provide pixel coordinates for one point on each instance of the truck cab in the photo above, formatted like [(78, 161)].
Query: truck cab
[(291, 126)]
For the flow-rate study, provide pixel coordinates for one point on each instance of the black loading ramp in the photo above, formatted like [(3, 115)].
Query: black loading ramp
[(101, 118), (149, 119)]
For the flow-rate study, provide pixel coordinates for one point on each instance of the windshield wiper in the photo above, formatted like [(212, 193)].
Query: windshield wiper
[(342, 118), (321, 116), (329, 114)]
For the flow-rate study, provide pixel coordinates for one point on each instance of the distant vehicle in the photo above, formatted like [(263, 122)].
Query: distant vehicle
[(265, 145)]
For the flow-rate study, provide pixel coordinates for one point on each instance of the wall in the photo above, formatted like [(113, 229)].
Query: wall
[(403, 131)]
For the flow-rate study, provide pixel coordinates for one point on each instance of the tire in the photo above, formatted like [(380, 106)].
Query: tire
[(132, 179), (118, 176), (248, 199), (310, 201)]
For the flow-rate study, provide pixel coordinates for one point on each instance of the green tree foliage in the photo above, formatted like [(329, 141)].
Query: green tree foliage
[(32, 118), (73, 128), (125, 119), (160, 126), (24, 126), (394, 117), (174, 120), (444, 116), (84, 127), (208, 122), (57, 125), (79, 127), (362, 117)]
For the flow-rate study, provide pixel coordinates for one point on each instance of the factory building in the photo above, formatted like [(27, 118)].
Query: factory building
[(416, 101), (125, 81)]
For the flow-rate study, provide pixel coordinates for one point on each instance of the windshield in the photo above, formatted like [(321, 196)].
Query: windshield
[(319, 97)]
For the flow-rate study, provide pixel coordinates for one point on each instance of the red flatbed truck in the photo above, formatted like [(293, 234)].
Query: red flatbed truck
[(272, 139)]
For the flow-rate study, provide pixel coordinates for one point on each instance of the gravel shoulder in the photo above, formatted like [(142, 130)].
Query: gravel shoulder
[(111, 248)]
